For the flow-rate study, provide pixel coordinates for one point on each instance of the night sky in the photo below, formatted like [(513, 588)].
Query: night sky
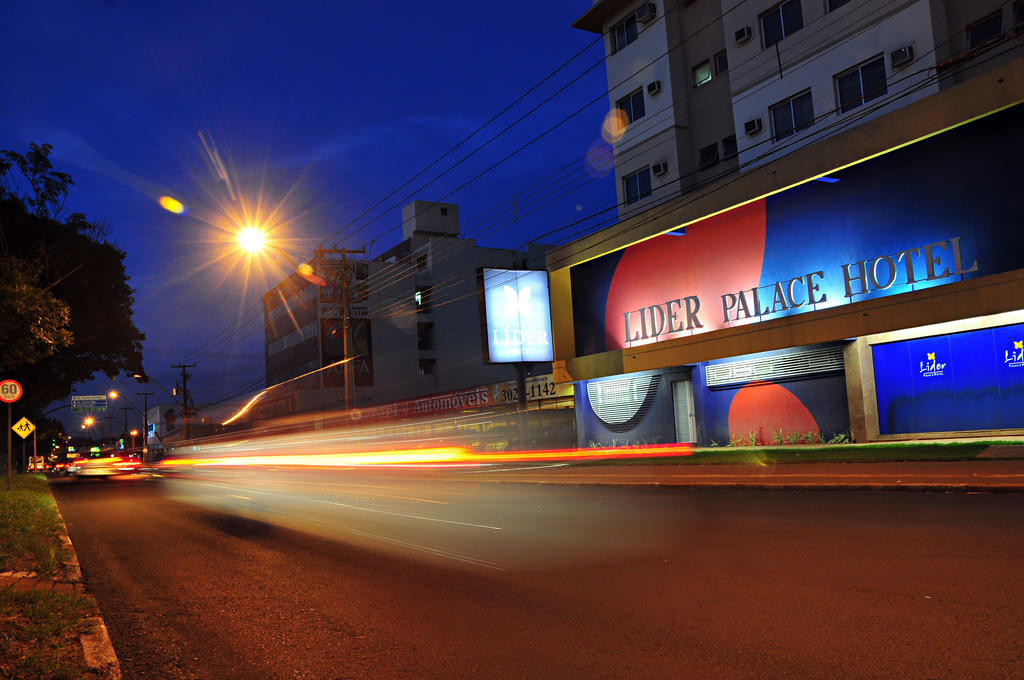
[(301, 116)]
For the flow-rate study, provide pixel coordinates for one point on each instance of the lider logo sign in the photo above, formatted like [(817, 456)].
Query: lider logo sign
[(517, 315), (931, 367), (1015, 358)]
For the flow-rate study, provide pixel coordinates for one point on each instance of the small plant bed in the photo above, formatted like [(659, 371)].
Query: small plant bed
[(819, 453), (39, 628)]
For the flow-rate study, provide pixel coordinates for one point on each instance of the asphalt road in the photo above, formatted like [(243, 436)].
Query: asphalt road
[(422, 574)]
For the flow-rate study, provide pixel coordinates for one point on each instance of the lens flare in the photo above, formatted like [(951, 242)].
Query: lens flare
[(614, 125), (172, 205)]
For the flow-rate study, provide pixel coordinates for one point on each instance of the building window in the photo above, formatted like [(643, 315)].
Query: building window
[(421, 262), (721, 63), (792, 115), (780, 21), (624, 32), (861, 84), (422, 299), (1018, 16), (833, 5), (632, 105), (702, 73), (985, 31), (729, 147), (709, 155), (425, 336), (426, 367), (637, 185), (444, 212)]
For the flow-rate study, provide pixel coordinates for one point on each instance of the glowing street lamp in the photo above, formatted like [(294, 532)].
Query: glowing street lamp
[(252, 239)]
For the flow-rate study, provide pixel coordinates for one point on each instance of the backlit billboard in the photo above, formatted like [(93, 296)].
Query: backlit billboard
[(517, 315)]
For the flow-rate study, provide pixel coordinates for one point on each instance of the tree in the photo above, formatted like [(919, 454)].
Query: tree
[(74, 318)]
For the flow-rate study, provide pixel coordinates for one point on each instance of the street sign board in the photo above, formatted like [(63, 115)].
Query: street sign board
[(10, 391), (88, 403), (24, 427)]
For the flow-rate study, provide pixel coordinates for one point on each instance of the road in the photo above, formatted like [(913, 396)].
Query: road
[(428, 574)]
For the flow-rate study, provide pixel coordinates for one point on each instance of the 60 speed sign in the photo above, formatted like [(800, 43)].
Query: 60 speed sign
[(10, 391)]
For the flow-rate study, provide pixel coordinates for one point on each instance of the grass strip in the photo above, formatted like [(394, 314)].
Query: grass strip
[(29, 527), (825, 453), (39, 638)]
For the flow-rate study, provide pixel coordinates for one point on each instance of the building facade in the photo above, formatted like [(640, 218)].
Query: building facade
[(866, 284), (700, 88)]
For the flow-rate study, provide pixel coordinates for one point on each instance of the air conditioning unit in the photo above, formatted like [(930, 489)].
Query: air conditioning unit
[(753, 126), (659, 168), (743, 35), (654, 87), (902, 56), (646, 12)]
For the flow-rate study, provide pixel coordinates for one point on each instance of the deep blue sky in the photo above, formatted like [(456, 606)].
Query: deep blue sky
[(318, 109)]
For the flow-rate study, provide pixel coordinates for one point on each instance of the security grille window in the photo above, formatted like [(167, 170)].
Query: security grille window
[(836, 4), (637, 185), (709, 155), (794, 364), (702, 73), (721, 63), (632, 105), (729, 147), (861, 84), (792, 115), (624, 32), (781, 21), (985, 31)]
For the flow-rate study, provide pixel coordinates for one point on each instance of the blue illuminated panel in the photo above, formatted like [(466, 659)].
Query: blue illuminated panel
[(518, 315), (964, 381)]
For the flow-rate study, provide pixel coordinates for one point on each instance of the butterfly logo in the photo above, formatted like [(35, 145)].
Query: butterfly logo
[(1018, 344), (517, 302), (931, 356)]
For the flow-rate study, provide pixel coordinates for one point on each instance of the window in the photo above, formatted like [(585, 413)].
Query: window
[(444, 212), (985, 31), (426, 367), (421, 262), (782, 20), (702, 73), (637, 185), (861, 84), (729, 147), (632, 105), (422, 298), (833, 5), (721, 63), (425, 336), (709, 155), (793, 115), (624, 32), (1018, 15)]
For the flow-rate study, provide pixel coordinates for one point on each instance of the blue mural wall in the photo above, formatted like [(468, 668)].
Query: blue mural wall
[(964, 381)]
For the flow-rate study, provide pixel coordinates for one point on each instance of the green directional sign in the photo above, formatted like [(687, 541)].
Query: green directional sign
[(88, 403)]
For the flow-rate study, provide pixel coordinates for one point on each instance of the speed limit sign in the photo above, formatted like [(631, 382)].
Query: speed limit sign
[(10, 391)]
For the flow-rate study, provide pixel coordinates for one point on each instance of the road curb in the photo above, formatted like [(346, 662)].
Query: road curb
[(96, 646), (776, 486)]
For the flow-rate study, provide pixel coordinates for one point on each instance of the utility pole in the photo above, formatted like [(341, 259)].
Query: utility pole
[(184, 394), (125, 409), (345, 276), (110, 428), (145, 421)]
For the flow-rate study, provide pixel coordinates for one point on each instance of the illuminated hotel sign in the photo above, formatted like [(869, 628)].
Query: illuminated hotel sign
[(517, 315), (928, 263)]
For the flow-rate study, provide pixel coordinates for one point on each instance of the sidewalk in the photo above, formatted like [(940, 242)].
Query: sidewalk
[(980, 475)]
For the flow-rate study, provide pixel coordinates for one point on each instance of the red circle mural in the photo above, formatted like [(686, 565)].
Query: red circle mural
[(766, 409), (718, 255)]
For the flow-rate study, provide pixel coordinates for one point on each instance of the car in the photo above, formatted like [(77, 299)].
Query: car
[(106, 463)]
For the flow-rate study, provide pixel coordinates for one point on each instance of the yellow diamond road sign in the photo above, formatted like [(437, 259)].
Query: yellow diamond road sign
[(23, 427)]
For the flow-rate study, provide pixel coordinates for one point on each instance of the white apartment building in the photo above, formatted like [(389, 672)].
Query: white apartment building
[(709, 86)]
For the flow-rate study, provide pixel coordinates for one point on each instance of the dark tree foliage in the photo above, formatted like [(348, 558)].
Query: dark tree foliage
[(75, 318)]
